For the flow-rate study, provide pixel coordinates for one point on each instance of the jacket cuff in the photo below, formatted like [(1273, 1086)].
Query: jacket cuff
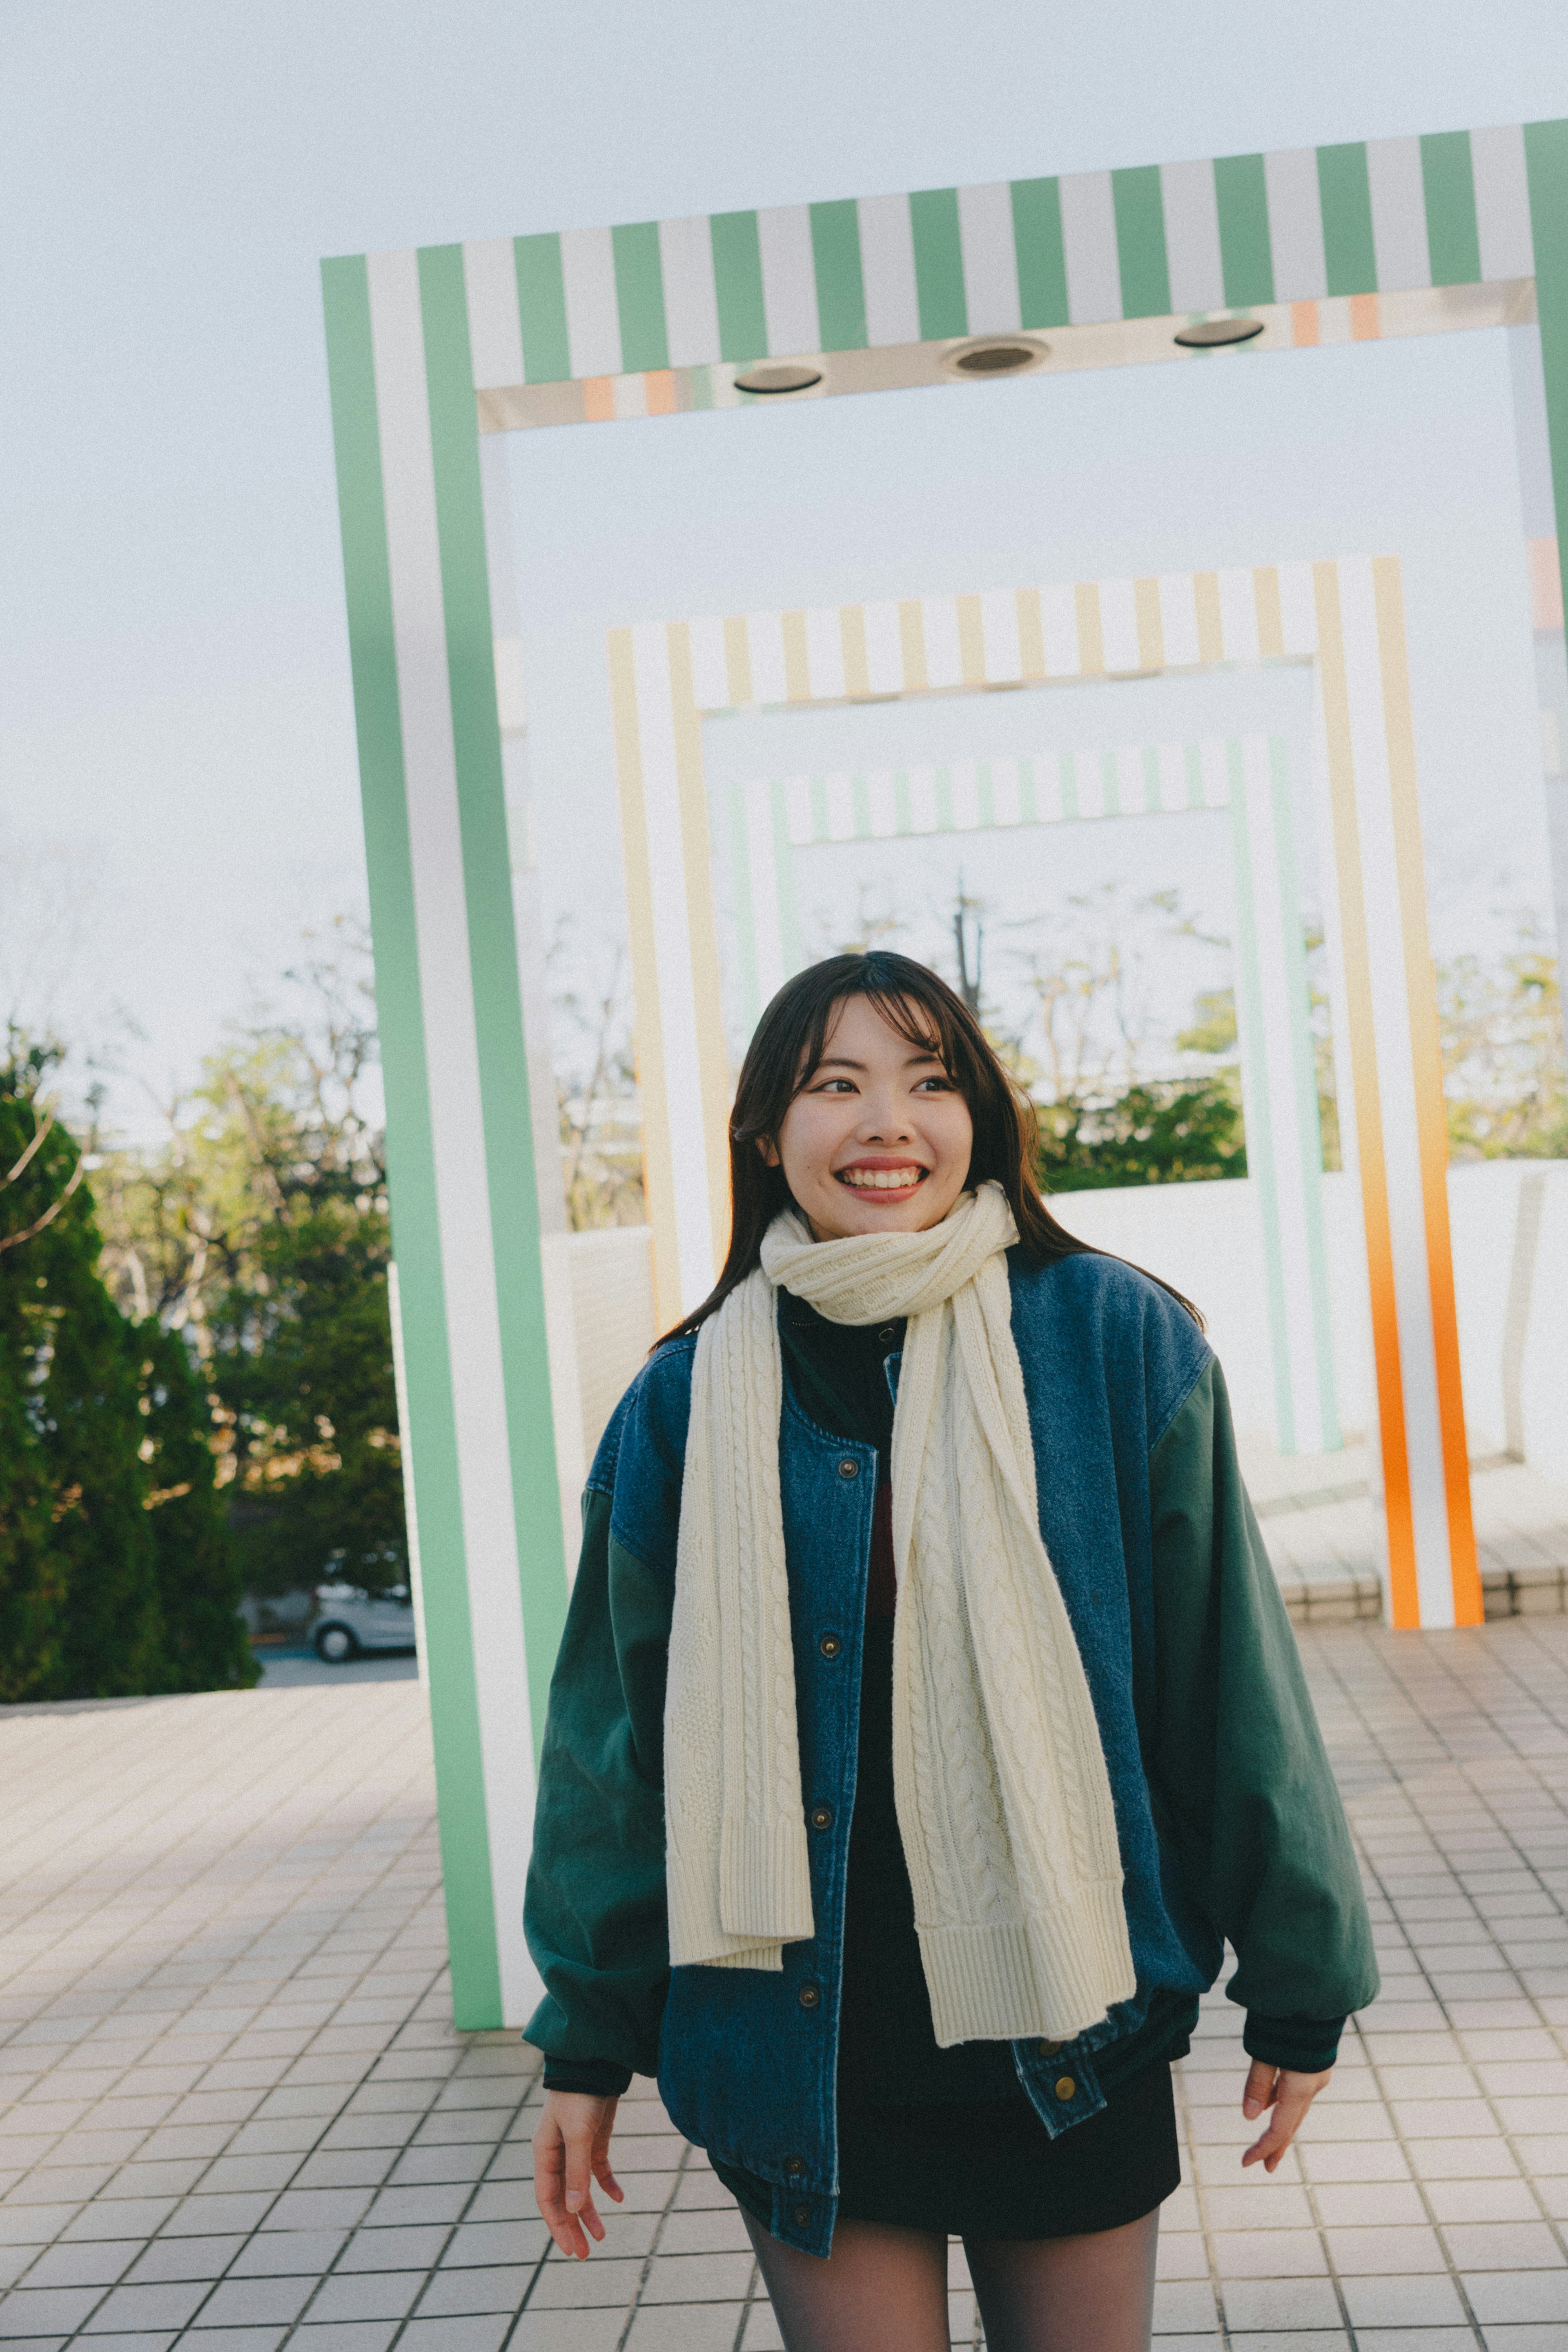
[(599, 2078), (1307, 2045)]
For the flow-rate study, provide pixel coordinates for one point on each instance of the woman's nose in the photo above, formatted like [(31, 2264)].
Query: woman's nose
[(884, 1123)]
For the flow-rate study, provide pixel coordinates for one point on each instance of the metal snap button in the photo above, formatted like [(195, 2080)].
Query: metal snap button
[(830, 1646), (1065, 2086), (802, 2216), (849, 1467), (1047, 2048), (885, 1338), (794, 2164), (822, 1817), (811, 1997)]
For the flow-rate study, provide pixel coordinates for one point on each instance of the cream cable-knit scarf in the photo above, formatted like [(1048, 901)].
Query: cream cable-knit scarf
[(1004, 1805)]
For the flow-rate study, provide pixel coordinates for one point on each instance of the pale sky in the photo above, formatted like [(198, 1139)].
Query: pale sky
[(178, 795)]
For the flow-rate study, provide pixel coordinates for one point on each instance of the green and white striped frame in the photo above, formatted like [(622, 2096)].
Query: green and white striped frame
[(428, 347), (765, 825)]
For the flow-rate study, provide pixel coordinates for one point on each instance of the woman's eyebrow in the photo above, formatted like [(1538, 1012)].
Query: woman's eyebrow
[(842, 1061)]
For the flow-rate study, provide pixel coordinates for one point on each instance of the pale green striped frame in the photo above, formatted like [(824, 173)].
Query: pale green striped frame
[(681, 304), (425, 350)]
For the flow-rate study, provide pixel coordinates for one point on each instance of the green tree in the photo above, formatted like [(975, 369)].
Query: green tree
[(260, 1230), (1501, 1028), (33, 1564), (1163, 1131), (91, 1591), (94, 1414), (307, 1371), (195, 1561)]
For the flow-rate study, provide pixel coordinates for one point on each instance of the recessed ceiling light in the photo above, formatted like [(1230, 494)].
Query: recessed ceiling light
[(997, 355), (791, 376), (1212, 334)]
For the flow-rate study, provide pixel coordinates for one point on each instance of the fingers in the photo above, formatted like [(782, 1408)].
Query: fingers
[(563, 2168), (1258, 2092), (580, 2181), (1290, 2094), (602, 2172)]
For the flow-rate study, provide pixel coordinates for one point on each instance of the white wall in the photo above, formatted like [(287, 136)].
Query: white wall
[(613, 1298), (1511, 1273), (1510, 1221)]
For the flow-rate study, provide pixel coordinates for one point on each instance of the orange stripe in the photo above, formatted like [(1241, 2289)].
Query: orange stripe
[(1151, 627), (971, 640), (912, 640), (852, 635), (737, 660), (1091, 634), (1270, 626), (1425, 1053), (1031, 634), (599, 400), (1365, 324), (1545, 583), (1303, 324), (1211, 634), (696, 856), (1404, 1593), (658, 1167), (658, 392), (797, 667)]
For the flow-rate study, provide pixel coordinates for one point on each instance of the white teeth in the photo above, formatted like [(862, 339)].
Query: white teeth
[(882, 1180)]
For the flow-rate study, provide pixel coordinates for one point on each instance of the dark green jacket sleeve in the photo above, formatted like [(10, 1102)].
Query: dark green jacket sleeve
[(595, 1910), (1241, 1782)]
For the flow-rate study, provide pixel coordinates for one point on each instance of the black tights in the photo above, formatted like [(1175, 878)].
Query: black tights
[(885, 2290)]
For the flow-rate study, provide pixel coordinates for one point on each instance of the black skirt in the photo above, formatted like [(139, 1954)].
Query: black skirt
[(989, 2168)]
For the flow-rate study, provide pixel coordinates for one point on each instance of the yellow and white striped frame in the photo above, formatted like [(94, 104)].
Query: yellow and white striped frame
[(1345, 617)]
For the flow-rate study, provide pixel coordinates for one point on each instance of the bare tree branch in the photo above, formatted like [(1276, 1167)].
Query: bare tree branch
[(10, 1241)]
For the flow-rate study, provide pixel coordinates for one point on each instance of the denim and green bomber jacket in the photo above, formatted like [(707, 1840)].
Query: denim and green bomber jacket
[(1230, 1822)]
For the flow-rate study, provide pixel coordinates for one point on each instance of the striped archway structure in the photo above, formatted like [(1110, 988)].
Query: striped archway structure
[(1346, 618), (762, 826), (431, 351)]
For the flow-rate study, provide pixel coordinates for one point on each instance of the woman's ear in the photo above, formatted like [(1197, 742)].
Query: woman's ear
[(769, 1150)]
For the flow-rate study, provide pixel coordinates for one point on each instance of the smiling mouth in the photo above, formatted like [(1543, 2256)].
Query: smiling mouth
[(882, 1180)]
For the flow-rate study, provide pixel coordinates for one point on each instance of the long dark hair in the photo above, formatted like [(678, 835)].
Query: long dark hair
[(783, 1056)]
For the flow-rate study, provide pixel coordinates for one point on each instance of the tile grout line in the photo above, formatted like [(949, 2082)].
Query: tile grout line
[(286, 2187), (1458, 1764), (1216, 2287), (430, 2108), (682, 2164), (738, 2340), (221, 2156), (386, 1931)]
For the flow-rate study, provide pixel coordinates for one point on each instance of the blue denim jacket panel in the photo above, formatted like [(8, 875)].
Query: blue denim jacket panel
[(749, 2057)]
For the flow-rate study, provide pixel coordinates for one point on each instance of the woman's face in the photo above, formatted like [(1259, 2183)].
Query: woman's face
[(879, 1139)]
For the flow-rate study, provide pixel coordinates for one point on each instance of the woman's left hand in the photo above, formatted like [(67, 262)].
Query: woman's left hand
[(1290, 2094)]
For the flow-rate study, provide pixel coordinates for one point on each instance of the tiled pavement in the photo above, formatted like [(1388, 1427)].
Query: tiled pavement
[(1324, 1535), (242, 2116)]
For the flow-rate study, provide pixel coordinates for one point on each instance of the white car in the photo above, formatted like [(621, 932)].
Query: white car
[(351, 1621)]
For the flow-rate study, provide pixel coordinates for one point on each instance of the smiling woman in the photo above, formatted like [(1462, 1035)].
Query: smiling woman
[(848, 1804), (865, 1066), (878, 1138)]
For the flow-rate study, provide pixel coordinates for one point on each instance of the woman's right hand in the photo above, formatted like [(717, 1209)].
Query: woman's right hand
[(571, 2150)]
